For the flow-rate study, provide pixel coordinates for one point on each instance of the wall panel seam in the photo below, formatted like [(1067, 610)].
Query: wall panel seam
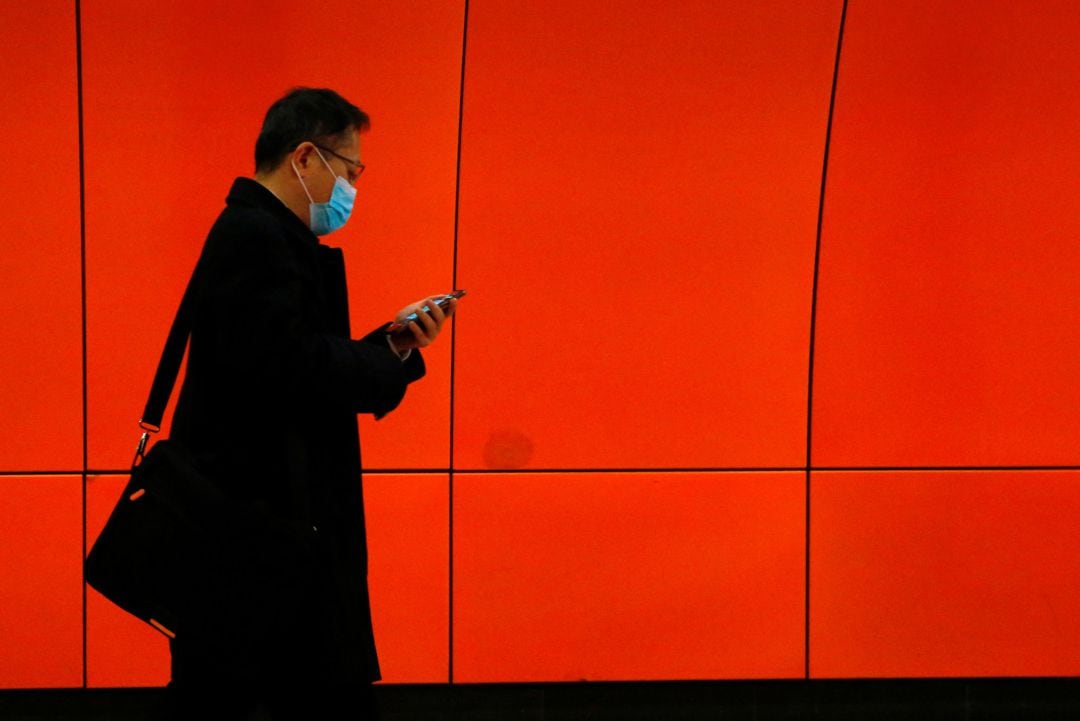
[(453, 348), (813, 329), (82, 272)]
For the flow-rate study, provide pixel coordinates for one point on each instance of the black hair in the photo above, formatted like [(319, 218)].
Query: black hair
[(314, 114)]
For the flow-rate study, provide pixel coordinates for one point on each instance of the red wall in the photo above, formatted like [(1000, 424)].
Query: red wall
[(618, 483)]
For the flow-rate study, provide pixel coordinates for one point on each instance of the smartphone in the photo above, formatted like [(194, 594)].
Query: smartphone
[(441, 302)]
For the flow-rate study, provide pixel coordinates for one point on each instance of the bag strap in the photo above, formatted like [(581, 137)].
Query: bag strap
[(168, 367)]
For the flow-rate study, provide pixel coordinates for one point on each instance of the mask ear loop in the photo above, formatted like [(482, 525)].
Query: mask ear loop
[(336, 176), (302, 184), (324, 161)]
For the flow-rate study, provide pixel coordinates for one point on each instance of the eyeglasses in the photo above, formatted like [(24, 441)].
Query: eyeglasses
[(356, 167)]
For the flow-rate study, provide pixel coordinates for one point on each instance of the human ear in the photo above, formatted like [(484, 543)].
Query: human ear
[(302, 156)]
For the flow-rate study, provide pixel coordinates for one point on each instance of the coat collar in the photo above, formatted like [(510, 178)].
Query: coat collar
[(246, 191)]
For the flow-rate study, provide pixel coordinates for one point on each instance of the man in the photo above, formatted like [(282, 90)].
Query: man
[(268, 407)]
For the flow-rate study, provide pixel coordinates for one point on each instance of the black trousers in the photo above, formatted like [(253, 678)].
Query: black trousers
[(199, 689), (233, 704)]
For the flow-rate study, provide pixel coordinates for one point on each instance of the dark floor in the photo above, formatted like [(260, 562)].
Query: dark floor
[(880, 700)]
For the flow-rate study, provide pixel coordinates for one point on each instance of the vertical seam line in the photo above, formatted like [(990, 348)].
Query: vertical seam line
[(453, 350), (82, 281), (813, 330)]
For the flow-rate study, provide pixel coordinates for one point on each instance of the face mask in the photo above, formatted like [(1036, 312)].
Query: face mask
[(331, 215)]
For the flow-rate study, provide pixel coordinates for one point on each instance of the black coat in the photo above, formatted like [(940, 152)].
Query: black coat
[(268, 407)]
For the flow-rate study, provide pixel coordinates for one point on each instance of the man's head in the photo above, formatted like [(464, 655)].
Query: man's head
[(309, 137), (317, 115)]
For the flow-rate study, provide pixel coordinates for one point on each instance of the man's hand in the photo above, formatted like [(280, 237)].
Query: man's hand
[(417, 335)]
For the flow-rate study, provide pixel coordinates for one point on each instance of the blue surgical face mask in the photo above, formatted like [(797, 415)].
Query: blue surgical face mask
[(331, 215)]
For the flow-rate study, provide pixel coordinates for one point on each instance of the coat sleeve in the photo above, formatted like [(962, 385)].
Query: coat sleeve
[(260, 305)]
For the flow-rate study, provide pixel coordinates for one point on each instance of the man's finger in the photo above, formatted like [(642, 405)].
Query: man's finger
[(430, 322), (432, 309), (421, 338)]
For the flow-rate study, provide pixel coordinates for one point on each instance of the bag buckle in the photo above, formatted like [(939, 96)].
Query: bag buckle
[(140, 452)]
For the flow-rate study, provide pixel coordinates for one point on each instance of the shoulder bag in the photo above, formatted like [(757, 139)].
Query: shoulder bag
[(179, 554)]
